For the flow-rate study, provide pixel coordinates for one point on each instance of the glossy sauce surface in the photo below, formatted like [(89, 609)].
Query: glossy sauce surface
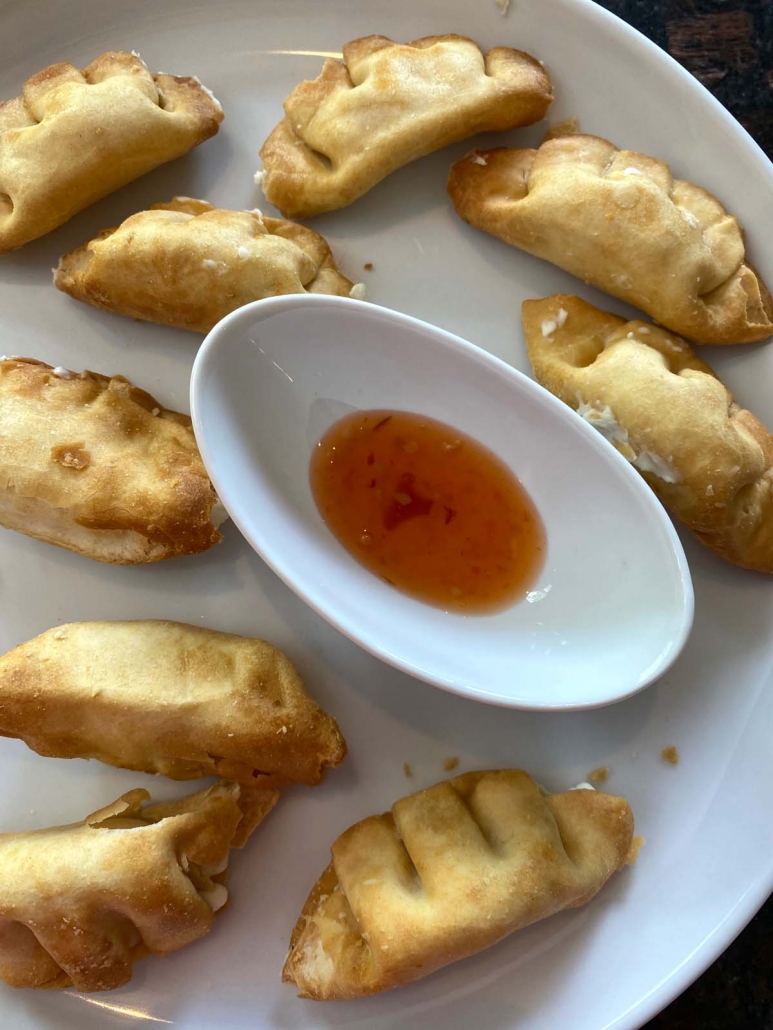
[(428, 509)]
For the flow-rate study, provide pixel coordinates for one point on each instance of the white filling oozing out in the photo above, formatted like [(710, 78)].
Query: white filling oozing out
[(603, 420), (316, 962), (215, 898), (478, 159), (583, 786), (258, 177), (632, 171), (218, 895), (221, 266), (358, 291), (243, 252), (646, 461), (688, 216), (550, 325), (218, 514)]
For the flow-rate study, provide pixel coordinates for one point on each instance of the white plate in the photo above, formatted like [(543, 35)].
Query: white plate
[(708, 863)]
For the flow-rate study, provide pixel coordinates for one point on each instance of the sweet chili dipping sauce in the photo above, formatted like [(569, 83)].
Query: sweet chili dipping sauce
[(428, 509)]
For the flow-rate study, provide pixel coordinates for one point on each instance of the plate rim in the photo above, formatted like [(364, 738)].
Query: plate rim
[(728, 928)]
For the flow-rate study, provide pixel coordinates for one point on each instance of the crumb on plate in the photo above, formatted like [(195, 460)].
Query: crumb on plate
[(670, 755), (599, 775), (368, 266), (407, 769), (450, 763)]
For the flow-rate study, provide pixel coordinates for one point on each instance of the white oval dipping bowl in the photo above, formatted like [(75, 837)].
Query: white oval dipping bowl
[(613, 606)]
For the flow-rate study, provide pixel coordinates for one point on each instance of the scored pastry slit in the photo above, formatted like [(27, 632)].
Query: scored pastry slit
[(423, 828), (324, 160), (360, 932), (498, 807), (385, 863)]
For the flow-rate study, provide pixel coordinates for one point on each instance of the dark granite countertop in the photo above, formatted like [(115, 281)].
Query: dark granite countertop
[(728, 45)]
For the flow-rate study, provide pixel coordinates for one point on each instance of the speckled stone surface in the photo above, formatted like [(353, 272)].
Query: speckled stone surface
[(728, 45)]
